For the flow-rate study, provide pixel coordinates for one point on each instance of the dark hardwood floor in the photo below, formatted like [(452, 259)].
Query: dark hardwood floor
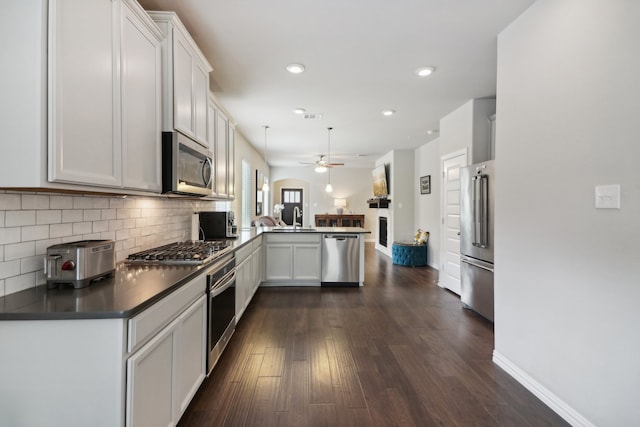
[(398, 352)]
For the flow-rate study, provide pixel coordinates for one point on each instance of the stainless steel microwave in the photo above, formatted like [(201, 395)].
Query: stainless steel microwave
[(187, 167)]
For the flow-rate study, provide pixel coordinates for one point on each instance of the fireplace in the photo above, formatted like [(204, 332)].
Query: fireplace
[(382, 231)]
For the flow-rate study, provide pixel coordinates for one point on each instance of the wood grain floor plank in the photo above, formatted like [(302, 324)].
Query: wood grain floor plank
[(262, 411), (273, 362)]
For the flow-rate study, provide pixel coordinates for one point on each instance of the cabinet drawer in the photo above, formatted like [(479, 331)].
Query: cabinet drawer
[(293, 237), (243, 253), (146, 324)]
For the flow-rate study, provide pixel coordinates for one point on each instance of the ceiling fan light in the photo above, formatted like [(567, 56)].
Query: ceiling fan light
[(425, 71), (295, 68), (320, 169)]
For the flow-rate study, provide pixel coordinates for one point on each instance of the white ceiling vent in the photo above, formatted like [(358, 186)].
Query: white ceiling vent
[(313, 116)]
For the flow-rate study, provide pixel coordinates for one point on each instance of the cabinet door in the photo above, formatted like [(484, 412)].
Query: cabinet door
[(321, 221), (182, 85), (149, 381), (243, 284), (84, 146), (231, 187), (191, 355), (306, 262), (212, 116), (221, 154), (257, 270), (279, 261), (141, 104), (200, 103)]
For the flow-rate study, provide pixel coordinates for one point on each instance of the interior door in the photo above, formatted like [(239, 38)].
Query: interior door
[(291, 198), (450, 268)]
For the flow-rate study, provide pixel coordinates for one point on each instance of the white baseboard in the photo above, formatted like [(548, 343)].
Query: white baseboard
[(569, 414)]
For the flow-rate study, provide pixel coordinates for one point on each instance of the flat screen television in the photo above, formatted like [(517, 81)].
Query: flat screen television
[(380, 183)]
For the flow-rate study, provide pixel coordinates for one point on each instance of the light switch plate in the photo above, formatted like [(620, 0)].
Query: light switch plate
[(608, 196)]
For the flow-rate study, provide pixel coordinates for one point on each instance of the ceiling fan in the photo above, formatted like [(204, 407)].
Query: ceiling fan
[(322, 165)]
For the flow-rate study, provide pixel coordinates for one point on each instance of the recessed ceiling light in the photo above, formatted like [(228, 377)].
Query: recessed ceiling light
[(433, 131), (425, 71), (388, 112), (295, 68), (299, 111)]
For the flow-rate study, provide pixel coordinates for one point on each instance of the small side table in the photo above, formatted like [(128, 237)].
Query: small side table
[(409, 253)]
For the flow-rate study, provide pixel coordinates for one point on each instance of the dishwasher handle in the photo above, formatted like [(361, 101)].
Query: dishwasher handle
[(340, 236)]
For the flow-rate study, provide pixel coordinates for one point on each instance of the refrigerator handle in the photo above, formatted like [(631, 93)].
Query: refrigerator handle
[(475, 264), (480, 210)]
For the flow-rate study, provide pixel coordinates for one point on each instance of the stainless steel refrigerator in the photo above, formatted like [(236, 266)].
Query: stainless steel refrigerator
[(476, 237)]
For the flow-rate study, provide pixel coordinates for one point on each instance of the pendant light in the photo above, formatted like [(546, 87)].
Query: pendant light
[(265, 186), (329, 188)]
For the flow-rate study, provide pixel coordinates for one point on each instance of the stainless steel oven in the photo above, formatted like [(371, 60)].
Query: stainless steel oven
[(221, 290)]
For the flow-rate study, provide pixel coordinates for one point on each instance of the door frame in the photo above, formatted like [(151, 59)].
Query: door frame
[(301, 190), (443, 209)]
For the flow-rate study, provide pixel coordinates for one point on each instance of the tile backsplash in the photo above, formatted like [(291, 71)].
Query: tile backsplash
[(31, 222)]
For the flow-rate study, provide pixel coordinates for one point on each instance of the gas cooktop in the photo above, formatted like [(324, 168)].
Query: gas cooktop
[(194, 252)]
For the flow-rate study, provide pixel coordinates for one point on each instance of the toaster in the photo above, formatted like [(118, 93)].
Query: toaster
[(79, 263)]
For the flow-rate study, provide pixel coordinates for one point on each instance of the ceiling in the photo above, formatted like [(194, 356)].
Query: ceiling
[(360, 58)]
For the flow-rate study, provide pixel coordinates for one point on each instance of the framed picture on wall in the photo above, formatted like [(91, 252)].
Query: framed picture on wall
[(425, 184)]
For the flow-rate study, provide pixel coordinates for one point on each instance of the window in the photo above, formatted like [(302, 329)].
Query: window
[(246, 195)]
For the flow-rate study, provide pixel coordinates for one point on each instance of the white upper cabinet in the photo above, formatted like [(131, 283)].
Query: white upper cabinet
[(186, 80), (85, 78), (200, 101), (222, 141), (231, 155), (83, 93), (222, 127), (141, 101)]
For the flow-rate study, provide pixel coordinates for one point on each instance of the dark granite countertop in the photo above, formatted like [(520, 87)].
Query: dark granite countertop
[(132, 289)]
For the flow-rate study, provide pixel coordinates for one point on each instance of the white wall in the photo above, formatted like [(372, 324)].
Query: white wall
[(427, 206), (567, 281), (402, 195), (245, 151), (353, 184), (468, 127)]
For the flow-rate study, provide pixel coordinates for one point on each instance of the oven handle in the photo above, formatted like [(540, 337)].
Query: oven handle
[(223, 284)]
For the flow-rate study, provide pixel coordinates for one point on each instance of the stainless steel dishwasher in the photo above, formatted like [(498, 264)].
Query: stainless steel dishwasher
[(340, 259)]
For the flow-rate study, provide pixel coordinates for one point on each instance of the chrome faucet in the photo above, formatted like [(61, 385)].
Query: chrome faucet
[(297, 213)]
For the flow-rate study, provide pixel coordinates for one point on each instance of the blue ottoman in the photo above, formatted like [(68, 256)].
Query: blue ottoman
[(414, 255)]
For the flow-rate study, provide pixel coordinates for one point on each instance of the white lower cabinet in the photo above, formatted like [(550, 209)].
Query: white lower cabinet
[(258, 264), (165, 373), (191, 360), (248, 274), (279, 261), (293, 258), (149, 381), (243, 287)]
